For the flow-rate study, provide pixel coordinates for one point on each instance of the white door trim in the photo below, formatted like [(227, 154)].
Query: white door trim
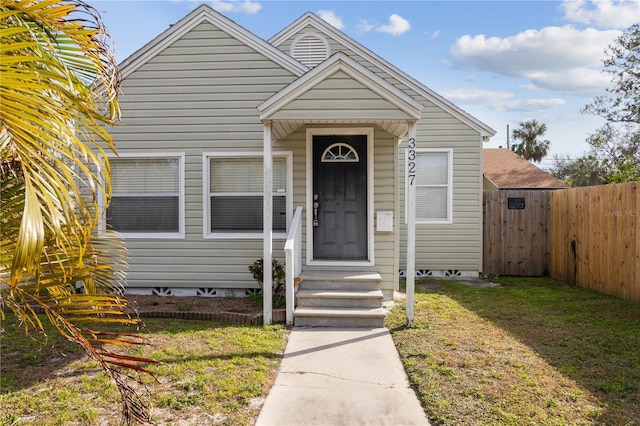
[(368, 131)]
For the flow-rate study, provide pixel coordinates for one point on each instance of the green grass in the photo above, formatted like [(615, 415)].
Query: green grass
[(208, 373), (533, 351), (529, 352)]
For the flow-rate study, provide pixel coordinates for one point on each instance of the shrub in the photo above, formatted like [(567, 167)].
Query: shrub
[(278, 277)]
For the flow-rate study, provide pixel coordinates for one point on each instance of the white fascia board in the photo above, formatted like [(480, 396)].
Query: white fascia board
[(321, 25), (340, 62), (292, 29), (199, 15)]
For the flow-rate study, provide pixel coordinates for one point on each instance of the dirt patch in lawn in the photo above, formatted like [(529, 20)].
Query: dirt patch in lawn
[(229, 310), (212, 305)]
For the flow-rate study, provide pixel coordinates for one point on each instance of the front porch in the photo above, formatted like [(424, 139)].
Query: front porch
[(343, 125), (326, 296)]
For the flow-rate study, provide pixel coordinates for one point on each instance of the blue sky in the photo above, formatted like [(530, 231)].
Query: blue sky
[(502, 61)]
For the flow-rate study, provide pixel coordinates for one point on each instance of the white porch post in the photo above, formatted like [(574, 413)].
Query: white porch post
[(411, 221), (267, 279)]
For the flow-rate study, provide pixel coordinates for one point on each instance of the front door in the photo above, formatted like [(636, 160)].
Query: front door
[(340, 197)]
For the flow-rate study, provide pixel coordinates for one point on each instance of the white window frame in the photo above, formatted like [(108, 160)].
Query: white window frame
[(180, 156), (444, 221), (206, 195)]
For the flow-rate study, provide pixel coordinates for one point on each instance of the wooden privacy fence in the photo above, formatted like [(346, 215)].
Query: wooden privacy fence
[(595, 238), (516, 232)]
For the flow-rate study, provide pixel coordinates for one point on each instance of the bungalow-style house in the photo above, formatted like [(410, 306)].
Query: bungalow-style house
[(342, 134), (504, 169)]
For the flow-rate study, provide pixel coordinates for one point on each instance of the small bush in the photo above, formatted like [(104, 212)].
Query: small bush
[(278, 277)]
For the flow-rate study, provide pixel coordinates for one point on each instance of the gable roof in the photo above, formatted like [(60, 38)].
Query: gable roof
[(269, 49), (204, 13), (309, 19), (507, 170), (407, 108)]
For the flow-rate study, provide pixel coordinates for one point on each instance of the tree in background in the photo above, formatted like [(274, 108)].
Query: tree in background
[(58, 86), (622, 62), (530, 146), (616, 145), (583, 171)]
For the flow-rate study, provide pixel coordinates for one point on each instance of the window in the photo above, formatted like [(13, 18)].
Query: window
[(235, 202), (433, 186), (340, 152), (147, 197)]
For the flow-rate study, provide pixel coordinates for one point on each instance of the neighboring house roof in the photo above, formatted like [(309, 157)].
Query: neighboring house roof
[(507, 170), (309, 19)]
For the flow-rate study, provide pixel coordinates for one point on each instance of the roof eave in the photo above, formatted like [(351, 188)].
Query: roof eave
[(340, 62), (204, 13), (311, 19)]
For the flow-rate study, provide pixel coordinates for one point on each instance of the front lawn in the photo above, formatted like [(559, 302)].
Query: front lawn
[(209, 373), (532, 351)]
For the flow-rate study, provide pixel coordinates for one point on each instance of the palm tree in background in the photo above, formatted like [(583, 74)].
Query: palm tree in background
[(58, 87), (530, 146)]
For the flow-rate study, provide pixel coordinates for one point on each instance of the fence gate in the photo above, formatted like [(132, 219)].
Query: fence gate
[(516, 232)]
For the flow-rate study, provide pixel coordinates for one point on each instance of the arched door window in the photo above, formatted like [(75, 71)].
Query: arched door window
[(340, 152)]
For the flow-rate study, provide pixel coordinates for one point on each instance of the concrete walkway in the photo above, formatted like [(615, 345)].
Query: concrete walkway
[(341, 376)]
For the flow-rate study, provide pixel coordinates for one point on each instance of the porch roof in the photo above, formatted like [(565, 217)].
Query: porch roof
[(340, 91)]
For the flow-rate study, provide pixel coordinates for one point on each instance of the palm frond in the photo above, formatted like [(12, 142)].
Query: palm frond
[(59, 89)]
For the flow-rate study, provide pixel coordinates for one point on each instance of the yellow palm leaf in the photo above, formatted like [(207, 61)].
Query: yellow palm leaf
[(58, 87)]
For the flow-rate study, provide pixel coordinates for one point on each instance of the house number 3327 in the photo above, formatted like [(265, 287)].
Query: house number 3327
[(411, 167)]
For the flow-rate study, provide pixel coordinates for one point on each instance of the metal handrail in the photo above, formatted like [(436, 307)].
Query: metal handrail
[(293, 260)]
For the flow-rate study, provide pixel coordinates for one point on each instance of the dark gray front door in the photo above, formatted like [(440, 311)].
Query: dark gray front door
[(340, 191)]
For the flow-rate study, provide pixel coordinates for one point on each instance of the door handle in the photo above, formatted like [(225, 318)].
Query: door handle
[(315, 209)]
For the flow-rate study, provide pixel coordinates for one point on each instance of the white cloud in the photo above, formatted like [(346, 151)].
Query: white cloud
[(434, 35), (529, 86), (602, 13), (476, 96), (363, 26), (397, 26), (532, 104), (501, 101), (246, 6), (578, 81), (559, 58), (330, 17)]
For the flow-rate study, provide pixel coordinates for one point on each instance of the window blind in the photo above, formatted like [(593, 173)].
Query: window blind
[(236, 185), (146, 195)]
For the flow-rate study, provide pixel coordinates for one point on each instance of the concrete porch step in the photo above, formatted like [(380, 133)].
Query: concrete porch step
[(340, 280), (339, 298), (339, 317)]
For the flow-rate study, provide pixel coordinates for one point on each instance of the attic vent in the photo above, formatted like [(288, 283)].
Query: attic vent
[(310, 49)]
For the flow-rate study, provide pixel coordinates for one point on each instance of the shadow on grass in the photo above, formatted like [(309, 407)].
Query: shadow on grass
[(589, 337), (31, 359)]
